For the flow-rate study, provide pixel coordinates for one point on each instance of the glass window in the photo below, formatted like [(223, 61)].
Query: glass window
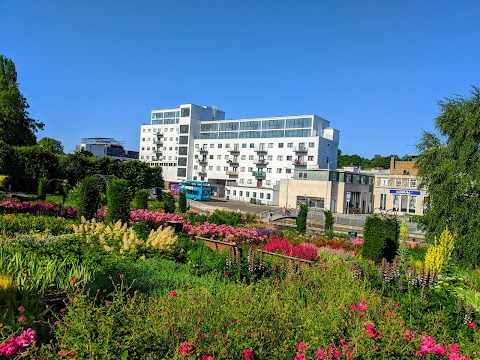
[(310, 158), (254, 194), (279, 170), (242, 169), (279, 157), (289, 157), (299, 123), (240, 193), (270, 157), (413, 183), (212, 146), (185, 112), (250, 169), (269, 170), (244, 146), (209, 127), (211, 157), (183, 129), (249, 181), (228, 126), (250, 157), (280, 145), (273, 124), (243, 157), (398, 182), (210, 167), (261, 195), (182, 150), (219, 146), (252, 145), (311, 144), (247, 193), (250, 125), (270, 145), (288, 171), (219, 157), (183, 140), (268, 196), (290, 145), (219, 168)]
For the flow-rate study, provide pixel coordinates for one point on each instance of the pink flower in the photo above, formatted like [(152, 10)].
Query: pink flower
[(9, 348), (185, 348), (320, 354), (302, 346), (173, 293), (74, 279), (22, 319), (362, 306), (353, 307), (408, 335), (299, 357), (21, 309), (453, 348), (247, 354), (397, 305), (472, 325), (207, 357), (200, 320)]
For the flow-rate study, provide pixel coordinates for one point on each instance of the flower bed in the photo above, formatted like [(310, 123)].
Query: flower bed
[(38, 207)]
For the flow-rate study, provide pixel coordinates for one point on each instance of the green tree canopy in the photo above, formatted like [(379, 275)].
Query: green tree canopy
[(16, 127), (449, 167), (51, 145)]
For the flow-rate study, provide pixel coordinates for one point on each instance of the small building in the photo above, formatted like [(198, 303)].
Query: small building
[(398, 189), (106, 147), (340, 191)]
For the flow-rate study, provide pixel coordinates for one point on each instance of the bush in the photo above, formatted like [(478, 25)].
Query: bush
[(141, 199), (231, 218), (182, 202), (302, 219), (42, 188), (328, 220), (380, 238), (90, 190), (168, 203), (118, 200)]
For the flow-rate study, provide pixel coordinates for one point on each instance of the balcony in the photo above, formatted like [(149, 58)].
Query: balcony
[(259, 173), (202, 160), (202, 171), (232, 173), (260, 162), (299, 163), (158, 142), (234, 149), (202, 150), (158, 151), (300, 149), (159, 134), (260, 149), (233, 162)]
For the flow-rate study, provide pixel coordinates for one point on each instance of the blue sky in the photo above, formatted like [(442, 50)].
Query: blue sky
[(375, 69)]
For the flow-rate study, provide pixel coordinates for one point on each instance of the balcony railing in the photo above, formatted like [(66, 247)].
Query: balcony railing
[(261, 162), (159, 134), (299, 163), (302, 149), (234, 149), (202, 171), (202, 160), (232, 173), (259, 173), (260, 149), (233, 161), (158, 142), (202, 150)]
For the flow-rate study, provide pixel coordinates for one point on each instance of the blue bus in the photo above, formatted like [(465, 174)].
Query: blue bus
[(197, 190)]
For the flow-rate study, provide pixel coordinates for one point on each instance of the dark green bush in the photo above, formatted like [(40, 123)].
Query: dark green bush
[(118, 200), (328, 220), (231, 218), (141, 199), (168, 203), (90, 196), (380, 238), (302, 219), (42, 188), (182, 202)]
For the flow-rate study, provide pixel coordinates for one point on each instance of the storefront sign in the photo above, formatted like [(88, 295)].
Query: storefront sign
[(406, 192)]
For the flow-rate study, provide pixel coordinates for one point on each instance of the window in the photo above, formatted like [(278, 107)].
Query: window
[(268, 182), (269, 170), (280, 145), (183, 129), (311, 144), (234, 192), (244, 146), (302, 175), (290, 145), (219, 157), (249, 181), (226, 157), (270, 145), (241, 181), (250, 169), (240, 193), (261, 195), (225, 168), (148, 147), (143, 139), (252, 145), (219, 168), (280, 157), (288, 171), (210, 167), (210, 157), (250, 157), (310, 158), (398, 182), (143, 148), (268, 196), (243, 157), (212, 146), (270, 157), (247, 193), (242, 169), (219, 146), (279, 170), (185, 112), (254, 194), (289, 157), (413, 183)]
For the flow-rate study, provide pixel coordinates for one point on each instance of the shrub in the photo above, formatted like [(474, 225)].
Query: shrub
[(231, 218), (380, 238), (118, 200), (168, 203), (329, 221), (3, 182), (182, 202), (141, 199), (25, 223), (89, 196), (42, 188), (302, 218)]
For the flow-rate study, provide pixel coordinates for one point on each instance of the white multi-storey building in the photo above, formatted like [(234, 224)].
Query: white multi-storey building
[(244, 159)]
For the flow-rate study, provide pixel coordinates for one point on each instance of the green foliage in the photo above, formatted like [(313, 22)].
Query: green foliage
[(380, 238), (11, 224), (449, 167), (168, 203), (141, 199), (329, 221), (90, 196), (182, 202), (16, 127), (232, 218), (356, 160), (42, 188), (52, 145), (118, 201), (302, 219)]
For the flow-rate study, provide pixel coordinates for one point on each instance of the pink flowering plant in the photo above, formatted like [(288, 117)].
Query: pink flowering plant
[(37, 208)]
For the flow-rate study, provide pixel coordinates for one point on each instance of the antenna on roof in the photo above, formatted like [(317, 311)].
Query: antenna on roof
[(214, 112)]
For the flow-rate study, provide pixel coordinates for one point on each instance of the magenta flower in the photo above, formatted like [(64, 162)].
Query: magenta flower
[(22, 319), (472, 325), (247, 354), (21, 309), (302, 346), (185, 348), (299, 357)]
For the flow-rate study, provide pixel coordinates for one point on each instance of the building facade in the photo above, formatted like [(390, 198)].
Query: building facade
[(106, 147), (398, 190), (339, 191), (244, 159)]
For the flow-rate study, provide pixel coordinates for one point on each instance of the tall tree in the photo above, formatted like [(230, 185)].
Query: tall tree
[(51, 145), (449, 167), (16, 127)]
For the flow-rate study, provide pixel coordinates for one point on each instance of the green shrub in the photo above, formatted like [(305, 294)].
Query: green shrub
[(329, 221), (182, 202), (11, 224), (231, 218), (141, 199), (90, 193), (118, 200), (302, 219), (168, 203), (42, 188), (380, 238)]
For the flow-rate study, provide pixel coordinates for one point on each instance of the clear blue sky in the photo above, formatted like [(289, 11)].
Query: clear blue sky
[(375, 69)]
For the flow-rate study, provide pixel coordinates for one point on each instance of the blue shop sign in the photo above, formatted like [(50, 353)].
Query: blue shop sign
[(406, 192)]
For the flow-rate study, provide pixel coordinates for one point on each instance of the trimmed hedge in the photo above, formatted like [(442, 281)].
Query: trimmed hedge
[(118, 200), (380, 238), (141, 199)]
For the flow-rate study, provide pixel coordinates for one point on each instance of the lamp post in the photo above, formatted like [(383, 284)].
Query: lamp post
[(286, 196)]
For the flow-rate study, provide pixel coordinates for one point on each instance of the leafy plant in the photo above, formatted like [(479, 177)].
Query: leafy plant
[(141, 199), (302, 219), (182, 202), (118, 200)]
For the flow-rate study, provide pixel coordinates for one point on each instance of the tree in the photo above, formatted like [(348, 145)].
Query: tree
[(16, 127), (182, 202), (301, 220), (51, 145), (168, 203), (449, 167)]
